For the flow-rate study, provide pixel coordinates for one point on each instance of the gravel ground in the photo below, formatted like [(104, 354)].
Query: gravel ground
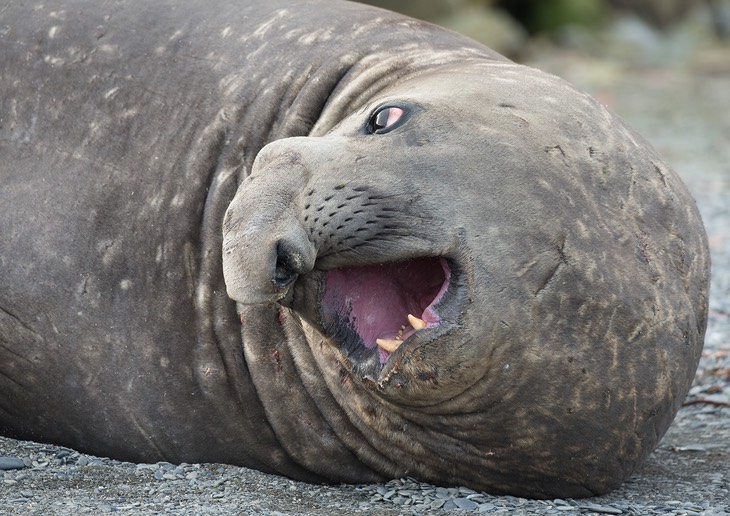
[(683, 110)]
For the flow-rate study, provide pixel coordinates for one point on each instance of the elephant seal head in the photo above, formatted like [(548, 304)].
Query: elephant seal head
[(495, 256)]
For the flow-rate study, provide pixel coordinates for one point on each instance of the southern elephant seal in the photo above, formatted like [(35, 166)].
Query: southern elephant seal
[(444, 264)]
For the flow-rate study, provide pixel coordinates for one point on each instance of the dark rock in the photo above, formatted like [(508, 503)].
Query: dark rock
[(7, 463)]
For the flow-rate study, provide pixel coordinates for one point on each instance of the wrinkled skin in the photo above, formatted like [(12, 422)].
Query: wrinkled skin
[(200, 273)]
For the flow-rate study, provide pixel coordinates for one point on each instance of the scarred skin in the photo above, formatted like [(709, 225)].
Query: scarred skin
[(163, 267)]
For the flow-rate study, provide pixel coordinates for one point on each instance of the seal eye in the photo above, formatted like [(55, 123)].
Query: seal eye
[(385, 119)]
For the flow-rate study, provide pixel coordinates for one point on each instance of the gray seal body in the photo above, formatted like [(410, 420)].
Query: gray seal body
[(328, 241)]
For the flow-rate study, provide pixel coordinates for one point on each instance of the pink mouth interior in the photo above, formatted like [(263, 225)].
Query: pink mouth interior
[(377, 299)]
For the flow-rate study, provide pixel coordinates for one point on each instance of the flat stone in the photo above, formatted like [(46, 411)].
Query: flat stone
[(437, 504), (465, 503), (7, 463), (601, 509), (449, 505)]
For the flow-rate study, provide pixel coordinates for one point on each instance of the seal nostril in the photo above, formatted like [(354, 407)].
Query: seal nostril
[(283, 274), (288, 266)]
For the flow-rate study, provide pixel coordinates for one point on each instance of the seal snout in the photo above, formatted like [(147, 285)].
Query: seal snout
[(263, 259)]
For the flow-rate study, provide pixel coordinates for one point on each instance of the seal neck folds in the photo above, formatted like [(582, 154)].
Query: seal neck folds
[(383, 305)]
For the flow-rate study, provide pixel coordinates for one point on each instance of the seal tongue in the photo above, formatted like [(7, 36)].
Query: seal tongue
[(385, 304)]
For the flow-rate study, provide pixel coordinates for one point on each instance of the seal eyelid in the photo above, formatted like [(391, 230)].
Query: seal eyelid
[(385, 119)]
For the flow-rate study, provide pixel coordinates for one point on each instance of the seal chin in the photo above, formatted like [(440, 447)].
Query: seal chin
[(371, 311)]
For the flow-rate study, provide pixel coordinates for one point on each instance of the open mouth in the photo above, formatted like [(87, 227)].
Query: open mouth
[(381, 306)]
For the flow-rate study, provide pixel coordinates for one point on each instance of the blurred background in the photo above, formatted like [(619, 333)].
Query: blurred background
[(651, 32)]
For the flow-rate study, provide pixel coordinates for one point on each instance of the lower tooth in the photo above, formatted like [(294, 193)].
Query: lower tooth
[(389, 345)]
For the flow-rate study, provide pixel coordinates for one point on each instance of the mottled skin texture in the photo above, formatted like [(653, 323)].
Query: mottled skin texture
[(573, 321)]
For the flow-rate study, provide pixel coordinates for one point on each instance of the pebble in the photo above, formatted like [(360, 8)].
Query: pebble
[(465, 503), (8, 463), (600, 509), (437, 504), (415, 498)]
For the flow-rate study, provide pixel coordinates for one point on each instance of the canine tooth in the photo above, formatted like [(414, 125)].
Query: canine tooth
[(389, 344), (417, 323)]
